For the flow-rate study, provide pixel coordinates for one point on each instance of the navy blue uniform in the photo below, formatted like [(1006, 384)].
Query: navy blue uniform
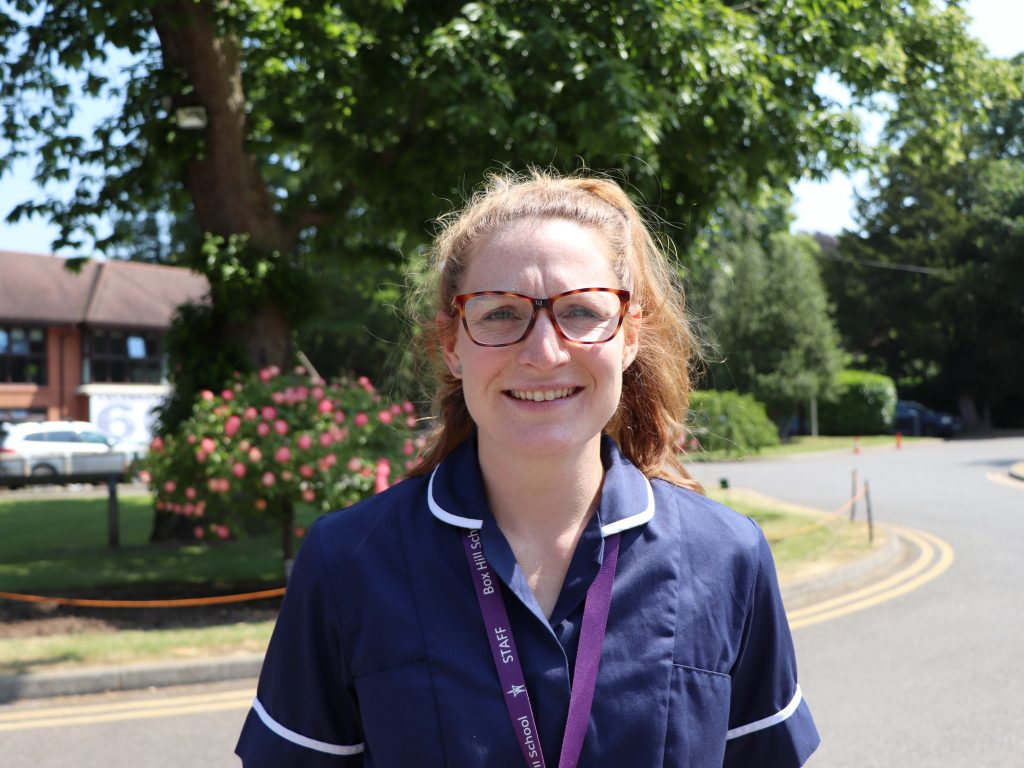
[(380, 658)]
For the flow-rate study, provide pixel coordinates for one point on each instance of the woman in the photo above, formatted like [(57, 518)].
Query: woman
[(550, 588)]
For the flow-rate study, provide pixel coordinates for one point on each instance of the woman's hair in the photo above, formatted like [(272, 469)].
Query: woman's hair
[(649, 423)]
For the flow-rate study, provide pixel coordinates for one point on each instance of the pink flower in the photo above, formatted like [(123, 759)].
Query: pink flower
[(282, 454), (330, 459), (281, 427), (354, 464), (228, 395), (309, 495), (251, 413), (365, 383), (222, 531), (361, 420), (385, 417), (396, 409), (206, 395), (410, 422), (268, 479), (407, 448), (326, 439), (269, 412), (263, 429), (238, 469), (325, 406), (201, 456), (188, 509), (305, 442), (190, 493), (144, 476), (278, 397), (198, 532), (200, 508), (191, 439), (287, 475), (300, 532), (232, 425), (306, 471), (255, 455), (408, 407), (339, 416), (299, 370), (208, 445), (157, 444), (318, 393), (170, 486), (266, 374)]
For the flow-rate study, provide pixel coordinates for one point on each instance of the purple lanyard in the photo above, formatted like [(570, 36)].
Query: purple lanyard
[(506, 655)]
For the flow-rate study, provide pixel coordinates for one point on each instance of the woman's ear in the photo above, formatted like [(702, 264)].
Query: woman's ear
[(634, 320), (448, 338)]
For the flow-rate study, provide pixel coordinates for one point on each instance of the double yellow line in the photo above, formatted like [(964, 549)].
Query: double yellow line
[(934, 557), (137, 709)]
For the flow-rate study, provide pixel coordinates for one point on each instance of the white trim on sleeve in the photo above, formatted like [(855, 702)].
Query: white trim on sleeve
[(767, 722), (298, 738), (633, 521)]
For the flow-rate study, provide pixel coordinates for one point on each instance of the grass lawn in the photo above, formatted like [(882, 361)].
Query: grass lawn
[(807, 444), (59, 547)]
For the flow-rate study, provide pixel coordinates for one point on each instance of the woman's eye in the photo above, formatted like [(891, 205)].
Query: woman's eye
[(499, 315), (581, 313)]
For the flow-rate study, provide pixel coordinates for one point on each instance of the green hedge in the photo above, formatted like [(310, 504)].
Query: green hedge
[(863, 404), (730, 422)]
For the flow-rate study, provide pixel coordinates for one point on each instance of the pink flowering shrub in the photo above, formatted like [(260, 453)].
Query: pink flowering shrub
[(249, 453)]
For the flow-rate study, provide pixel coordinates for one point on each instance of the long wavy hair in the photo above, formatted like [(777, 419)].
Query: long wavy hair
[(650, 420)]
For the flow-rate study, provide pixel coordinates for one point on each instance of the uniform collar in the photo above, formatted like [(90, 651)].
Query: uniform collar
[(455, 493)]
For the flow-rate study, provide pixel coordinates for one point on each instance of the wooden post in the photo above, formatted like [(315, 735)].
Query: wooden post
[(867, 503), (113, 523), (853, 497)]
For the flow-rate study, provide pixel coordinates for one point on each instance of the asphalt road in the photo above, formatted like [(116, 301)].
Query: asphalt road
[(931, 677)]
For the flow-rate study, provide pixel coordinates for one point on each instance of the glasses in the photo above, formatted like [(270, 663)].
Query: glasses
[(500, 318)]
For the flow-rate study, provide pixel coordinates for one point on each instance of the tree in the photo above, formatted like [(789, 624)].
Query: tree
[(929, 291), (279, 135), (767, 313)]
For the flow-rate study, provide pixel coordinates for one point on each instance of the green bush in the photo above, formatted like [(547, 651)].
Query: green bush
[(730, 422), (862, 404)]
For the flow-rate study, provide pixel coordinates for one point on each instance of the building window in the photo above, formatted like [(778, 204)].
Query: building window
[(22, 355), (123, 357)]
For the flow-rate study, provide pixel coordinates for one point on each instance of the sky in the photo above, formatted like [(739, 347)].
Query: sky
[(819, 206)]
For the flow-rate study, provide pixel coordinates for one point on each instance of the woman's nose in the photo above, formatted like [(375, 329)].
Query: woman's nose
[(543, 346)]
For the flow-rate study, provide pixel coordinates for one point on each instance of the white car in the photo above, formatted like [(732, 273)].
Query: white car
[(52, 449)]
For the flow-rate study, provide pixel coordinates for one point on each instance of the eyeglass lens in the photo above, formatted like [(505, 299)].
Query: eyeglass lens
[(500, 319)]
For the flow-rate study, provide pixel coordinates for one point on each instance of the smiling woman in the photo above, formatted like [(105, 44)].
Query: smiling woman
[(550, 586)]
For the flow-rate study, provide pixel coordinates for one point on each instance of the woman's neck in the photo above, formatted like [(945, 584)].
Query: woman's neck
[(543, 498)]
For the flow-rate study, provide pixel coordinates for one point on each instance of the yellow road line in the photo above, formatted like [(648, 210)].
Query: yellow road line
[(1004, 478), (936, 556), (126, 710)]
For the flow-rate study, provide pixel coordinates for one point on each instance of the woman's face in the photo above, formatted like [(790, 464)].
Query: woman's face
[(502, 385)]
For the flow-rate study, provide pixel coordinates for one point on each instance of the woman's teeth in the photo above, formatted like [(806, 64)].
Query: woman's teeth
[(538, 396)]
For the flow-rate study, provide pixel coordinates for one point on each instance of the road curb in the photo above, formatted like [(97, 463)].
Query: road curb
[(1017, 471), (801, 592), (37, 685)]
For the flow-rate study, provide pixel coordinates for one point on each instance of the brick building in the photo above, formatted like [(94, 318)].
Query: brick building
[(87, 346)]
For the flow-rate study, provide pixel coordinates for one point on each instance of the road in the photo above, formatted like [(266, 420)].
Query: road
[(932, 677)]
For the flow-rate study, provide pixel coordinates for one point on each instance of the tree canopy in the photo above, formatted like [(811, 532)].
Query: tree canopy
[(930, 290), (274, 143)]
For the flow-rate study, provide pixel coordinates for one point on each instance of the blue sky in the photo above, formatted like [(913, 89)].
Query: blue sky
[(824, 206)]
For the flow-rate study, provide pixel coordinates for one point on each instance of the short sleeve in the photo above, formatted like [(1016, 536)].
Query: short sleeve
[(769, 721), (305, 713)]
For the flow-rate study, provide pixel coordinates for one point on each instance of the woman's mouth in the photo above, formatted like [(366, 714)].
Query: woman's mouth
[(541, 395)]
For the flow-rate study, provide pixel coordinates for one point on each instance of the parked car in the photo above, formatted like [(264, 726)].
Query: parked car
[(56, 449), (915, 419)]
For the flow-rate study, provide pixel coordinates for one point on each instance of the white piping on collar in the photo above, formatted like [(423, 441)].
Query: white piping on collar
[(442, 514), (606, 530), (634, 520)]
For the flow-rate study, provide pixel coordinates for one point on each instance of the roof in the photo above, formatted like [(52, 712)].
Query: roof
[(39, 289)]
